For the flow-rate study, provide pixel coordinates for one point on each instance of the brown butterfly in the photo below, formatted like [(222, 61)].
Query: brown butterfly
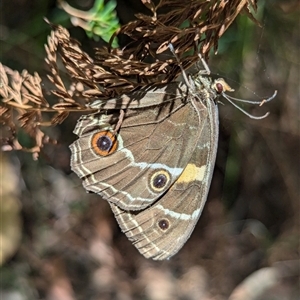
[(156, 168)]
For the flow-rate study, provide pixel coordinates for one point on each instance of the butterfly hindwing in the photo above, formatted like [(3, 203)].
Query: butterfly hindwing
[(162, 229)]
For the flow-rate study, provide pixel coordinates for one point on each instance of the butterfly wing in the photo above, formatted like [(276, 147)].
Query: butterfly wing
[(161, 230), (149, 156)]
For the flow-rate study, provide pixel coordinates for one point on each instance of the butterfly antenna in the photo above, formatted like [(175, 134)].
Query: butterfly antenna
[(260, 103)]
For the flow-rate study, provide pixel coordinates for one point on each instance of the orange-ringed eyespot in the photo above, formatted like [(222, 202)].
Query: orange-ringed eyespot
[(104, 143)]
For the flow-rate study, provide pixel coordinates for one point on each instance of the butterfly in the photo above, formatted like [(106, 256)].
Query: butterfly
[(155, 166)]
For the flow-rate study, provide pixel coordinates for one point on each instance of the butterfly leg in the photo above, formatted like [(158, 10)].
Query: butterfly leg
[(188, 82), (206, 70)]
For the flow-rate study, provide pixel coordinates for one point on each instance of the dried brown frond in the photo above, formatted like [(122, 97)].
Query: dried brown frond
[(22, 105), (192, 27)]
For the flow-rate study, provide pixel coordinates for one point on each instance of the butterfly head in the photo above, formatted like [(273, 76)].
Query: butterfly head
[(221, 86)]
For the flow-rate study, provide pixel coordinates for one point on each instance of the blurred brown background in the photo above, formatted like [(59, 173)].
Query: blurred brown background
[(58, 242)]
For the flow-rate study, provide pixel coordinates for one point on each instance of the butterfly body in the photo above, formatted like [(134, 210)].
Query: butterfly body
[(155, 172)]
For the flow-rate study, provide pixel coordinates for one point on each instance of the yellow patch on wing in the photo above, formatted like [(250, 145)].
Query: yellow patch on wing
[(192, 173)]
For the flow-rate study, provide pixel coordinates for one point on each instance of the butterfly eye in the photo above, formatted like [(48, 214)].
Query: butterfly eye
[(163, 224), (219, 88), (104, 143), (159, 180)]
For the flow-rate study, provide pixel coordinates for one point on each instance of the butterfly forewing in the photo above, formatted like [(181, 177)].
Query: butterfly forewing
[(155, 144)]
